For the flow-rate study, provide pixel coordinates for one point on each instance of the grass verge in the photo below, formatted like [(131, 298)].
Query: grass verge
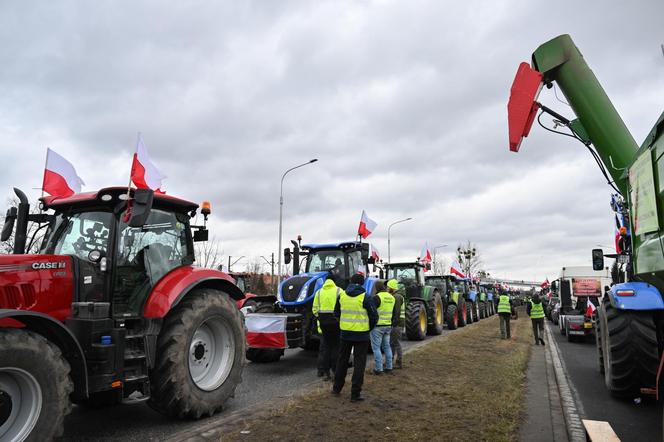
[(469, 385)]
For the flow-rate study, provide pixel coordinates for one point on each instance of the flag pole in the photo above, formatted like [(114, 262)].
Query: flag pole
[(138, 139)]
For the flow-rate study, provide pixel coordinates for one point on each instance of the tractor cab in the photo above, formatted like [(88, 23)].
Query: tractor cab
[(408, 274)]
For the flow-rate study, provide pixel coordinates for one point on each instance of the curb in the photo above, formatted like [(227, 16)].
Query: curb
[(575, 428)]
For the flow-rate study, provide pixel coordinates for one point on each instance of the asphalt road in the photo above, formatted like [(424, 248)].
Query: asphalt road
[(630, 421), (274, 382)]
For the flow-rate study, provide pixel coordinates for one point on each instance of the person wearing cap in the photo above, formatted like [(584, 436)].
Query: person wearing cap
[(380, 335), (398, 321), (357, 317), (325, 299)]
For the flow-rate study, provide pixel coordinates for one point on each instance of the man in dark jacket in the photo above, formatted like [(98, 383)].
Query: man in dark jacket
[(397, 322), (357, 317)]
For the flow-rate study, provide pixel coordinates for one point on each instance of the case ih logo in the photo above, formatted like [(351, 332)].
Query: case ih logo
[(48, 265)]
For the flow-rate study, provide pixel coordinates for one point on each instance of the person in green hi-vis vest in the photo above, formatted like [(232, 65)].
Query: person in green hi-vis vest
[(505, 314), (535, 310)]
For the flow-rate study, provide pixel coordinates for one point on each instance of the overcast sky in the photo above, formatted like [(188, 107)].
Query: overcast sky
[(403, 103)]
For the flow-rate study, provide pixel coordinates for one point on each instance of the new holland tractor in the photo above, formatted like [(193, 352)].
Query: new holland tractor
[(423, 303), (112, 310), (630, 321), (338, 261)]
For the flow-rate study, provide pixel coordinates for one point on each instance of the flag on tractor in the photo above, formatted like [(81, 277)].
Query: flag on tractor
[(456, 270), (590, 308), (60, 177), (367, 225), (144, 173), (425, 254), (545, 284), (375, 254), (266, 331)]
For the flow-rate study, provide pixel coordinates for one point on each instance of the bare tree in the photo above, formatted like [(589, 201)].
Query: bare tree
[(440, 266), (208, 253), (469, 258), (35, 234)]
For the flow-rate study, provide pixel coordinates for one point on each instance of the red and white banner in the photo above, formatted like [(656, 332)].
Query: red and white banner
[(144, 173), (375, 254), (590, 308), (266, 330), (456, 270), (367, 225), (545, 284), (425, 254), (60, 177)]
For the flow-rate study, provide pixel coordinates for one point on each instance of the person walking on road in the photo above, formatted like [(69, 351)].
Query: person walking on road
[(357, 316), (380, 335), (536, 312), (505, 314), (325, 300), (398, 321)]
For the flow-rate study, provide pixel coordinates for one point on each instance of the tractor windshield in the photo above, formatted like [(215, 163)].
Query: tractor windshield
[(78, 234), (326, 261), (406, 276)]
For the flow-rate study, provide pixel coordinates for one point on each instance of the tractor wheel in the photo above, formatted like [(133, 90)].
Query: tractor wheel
[(200, 356), (482, 310), (452, 317), (469, 312), (416, 321), (630, 350), (463, 313), (264, 355), (598, 343), (435, 326), (34, 387)]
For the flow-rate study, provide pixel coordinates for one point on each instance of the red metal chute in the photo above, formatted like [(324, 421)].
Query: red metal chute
[(522, 108)]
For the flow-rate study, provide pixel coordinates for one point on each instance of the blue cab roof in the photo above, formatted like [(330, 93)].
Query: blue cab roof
[(334, 245)]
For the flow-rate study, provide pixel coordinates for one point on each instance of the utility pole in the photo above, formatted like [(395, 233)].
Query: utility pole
[(270, 263)]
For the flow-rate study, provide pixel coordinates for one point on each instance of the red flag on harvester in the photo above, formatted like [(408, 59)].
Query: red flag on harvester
[(144, 173), (367, 226), (590, 308), (60, 178)]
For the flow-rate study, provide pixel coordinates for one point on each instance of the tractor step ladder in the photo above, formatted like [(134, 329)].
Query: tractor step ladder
[(136, 379)]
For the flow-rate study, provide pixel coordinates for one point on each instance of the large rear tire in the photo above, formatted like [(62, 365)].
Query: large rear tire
[(463, 312), (598, 342), (34, 387), (200, 356), (416, 321), (435, 323), (469, 312), (452, 317), (630, 350), (264, 355)]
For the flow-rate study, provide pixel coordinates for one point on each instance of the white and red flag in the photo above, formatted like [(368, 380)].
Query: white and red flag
[(144, 173), (590, 308), (456, 270), (375, 254), (545, 284), (367, 226), (425, 254), (266, 330), (60, 177)]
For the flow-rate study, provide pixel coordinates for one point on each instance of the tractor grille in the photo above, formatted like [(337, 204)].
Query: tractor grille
[(17, 297), (291, 288)]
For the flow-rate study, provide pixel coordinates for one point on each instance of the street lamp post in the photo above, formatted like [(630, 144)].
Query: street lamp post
[(281, 208), (434, 256), (388, 235)]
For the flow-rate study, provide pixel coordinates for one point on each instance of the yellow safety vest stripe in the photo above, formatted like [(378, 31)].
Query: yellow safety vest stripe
[(328, 300), (536, 310), (385, 308), (504, 304)]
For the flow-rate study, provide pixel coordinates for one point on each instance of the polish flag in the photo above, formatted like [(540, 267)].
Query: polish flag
[(144, 173), (590, 309), (456, 270), (375, 254), (545, 284), (266, 330), (60, 178), (367, 225), (425, 254)]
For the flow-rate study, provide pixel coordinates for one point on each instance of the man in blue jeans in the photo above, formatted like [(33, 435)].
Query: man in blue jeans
[(380, 335)]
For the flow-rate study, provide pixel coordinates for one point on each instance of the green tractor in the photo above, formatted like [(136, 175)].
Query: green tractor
[(423, 303), (454, 301)]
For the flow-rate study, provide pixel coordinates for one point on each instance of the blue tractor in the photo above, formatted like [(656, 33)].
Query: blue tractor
[(312, 265)]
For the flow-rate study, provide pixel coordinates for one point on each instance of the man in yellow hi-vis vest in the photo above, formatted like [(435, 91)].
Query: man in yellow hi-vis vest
[(328, 327), (505, 314), (380, 335), (535, 310), (357, 316)]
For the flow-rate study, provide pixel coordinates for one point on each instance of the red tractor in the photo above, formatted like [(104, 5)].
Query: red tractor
[(112, 310)]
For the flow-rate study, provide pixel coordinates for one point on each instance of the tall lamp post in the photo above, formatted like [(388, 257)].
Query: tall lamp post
[(281, 209), (388, 235), (434, 256)]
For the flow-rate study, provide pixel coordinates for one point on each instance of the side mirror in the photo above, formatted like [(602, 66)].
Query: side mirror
[(381, 275), (201, 235), (287, 256), (427, 266), (598, 259), (141, 205), (371, 260), (8, 228)]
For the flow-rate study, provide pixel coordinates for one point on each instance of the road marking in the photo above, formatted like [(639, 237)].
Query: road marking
[(575, 429)]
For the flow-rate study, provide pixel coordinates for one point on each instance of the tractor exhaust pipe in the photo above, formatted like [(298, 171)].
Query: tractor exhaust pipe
[(21, 236)]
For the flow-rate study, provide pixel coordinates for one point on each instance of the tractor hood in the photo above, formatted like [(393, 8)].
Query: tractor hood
[(42, 283), (300, 289)]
